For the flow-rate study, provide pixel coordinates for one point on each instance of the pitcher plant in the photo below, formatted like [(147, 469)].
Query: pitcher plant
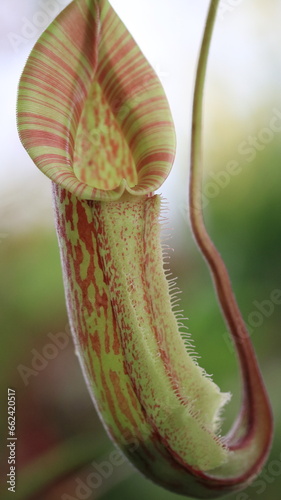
[(94, 118)]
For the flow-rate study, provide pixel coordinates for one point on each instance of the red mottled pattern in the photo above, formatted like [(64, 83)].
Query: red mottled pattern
[(92, 321), (100, 343)]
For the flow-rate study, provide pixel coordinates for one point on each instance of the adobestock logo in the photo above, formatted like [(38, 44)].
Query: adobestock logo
[(40, 360), (247, 151), (100, 473), (267, 477), (32, 28), (262, 310), (227, 6)]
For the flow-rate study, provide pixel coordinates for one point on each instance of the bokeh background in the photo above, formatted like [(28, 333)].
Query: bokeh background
[(59, 433)]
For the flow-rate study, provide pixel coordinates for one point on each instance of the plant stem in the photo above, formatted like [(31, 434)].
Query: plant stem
[(58, 463), (255, 395)]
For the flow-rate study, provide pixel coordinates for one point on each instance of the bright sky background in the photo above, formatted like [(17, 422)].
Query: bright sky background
[(245, 66)]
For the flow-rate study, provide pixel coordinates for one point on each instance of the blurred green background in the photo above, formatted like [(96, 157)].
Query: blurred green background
[(59, 432)]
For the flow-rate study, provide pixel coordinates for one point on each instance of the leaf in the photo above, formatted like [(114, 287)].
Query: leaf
[(92, 114)]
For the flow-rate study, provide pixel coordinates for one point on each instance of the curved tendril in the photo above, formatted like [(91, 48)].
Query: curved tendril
[(255, 418)]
